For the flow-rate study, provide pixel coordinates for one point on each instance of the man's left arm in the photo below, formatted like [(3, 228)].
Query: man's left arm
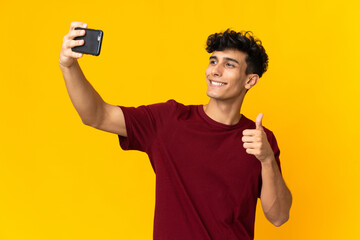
[(275, 197)]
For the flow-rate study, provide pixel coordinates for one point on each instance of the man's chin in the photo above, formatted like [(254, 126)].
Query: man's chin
[(219, 97), (214, 96)]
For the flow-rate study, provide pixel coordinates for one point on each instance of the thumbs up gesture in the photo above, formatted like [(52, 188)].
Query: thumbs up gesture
[(256, 142)]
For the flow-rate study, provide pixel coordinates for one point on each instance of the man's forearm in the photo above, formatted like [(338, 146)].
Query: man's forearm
[(276, 198), (85, 99)]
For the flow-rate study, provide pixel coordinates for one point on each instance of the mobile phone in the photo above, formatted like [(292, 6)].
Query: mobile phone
[(92, 41)]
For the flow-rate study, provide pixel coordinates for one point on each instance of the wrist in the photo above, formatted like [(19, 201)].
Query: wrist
[(63, 67), (268, 162)]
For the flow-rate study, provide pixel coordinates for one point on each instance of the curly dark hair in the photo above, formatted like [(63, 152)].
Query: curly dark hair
[(256, 59)]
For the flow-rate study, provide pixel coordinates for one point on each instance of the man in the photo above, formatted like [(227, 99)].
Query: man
[(211, 162)]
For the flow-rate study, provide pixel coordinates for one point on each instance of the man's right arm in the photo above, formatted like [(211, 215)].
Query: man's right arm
[(91, 108)]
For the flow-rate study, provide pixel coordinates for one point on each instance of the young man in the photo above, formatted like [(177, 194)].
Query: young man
[(211, 162)]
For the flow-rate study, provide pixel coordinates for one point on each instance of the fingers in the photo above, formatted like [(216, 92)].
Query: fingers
[(68, 52), (69, 41), (75, 33), (74, 54), (74, 43), (67, 56), (77, 55), (250, 139), (73, 25), (251, 145), (251, 132), (69, 44), (259, 121)]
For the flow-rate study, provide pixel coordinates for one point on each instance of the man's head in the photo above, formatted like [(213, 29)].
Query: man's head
[(238, 60)]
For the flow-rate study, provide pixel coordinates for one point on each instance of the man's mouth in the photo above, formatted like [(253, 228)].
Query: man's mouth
[(217, 83)]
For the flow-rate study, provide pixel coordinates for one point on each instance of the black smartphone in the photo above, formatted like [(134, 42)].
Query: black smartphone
[(92, 41)]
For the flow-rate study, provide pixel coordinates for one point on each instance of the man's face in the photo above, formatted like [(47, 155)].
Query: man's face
[(225, 75)]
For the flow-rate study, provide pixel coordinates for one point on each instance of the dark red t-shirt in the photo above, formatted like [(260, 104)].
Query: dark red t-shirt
[(206, 184)]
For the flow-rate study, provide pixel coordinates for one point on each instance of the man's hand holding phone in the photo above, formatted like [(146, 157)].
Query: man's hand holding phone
[(80, 40), (67, 56)]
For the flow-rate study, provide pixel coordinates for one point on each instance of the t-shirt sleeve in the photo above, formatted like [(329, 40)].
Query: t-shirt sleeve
[(142, 124), (276, 150)]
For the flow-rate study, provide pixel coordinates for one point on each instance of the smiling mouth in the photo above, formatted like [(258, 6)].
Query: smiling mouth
[(215, 83)]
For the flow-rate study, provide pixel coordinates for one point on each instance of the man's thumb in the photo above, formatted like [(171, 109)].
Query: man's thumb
[(259, 121)]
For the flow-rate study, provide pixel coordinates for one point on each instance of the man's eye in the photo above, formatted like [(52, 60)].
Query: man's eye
[(212, 62), (230, 65)]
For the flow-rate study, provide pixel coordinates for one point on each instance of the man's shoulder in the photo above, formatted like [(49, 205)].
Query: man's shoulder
[(173, 101), (179, 105), (169, 107)]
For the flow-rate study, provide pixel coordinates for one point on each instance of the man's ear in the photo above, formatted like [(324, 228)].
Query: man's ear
[(251, 80)]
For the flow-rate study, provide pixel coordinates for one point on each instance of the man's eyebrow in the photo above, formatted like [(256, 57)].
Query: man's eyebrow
[(226, 58)]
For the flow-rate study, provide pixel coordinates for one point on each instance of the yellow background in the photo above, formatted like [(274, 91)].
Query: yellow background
[(60, 179)]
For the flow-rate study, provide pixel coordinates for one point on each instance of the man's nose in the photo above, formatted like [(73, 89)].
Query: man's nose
[(216, 70)]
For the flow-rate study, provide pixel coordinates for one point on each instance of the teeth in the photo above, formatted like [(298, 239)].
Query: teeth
[(217, 83)]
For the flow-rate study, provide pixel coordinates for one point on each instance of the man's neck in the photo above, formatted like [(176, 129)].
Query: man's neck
[(226, 112)]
